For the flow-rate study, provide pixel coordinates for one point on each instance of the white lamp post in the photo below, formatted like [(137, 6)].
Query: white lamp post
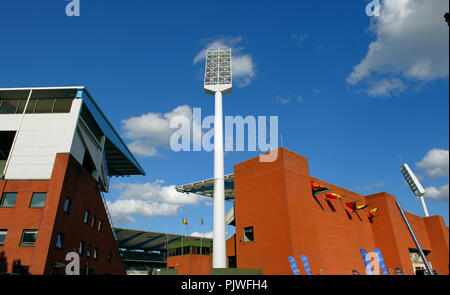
[(218, 82), (415, 185)]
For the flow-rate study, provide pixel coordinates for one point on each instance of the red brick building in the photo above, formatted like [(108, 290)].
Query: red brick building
[(276, 216), (57, 153)]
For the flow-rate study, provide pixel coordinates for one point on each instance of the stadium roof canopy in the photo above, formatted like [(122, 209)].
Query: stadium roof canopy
[(206, 187), (119, 160), (131, 239)]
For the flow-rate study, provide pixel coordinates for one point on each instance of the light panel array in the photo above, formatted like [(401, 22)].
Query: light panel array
[(412, 180), (218, 67)]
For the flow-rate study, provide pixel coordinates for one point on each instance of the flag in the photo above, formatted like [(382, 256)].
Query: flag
[(372, 212), (351, 206), (185, 221), (333, 196), (360, 207), (201, 221), (316, 188)]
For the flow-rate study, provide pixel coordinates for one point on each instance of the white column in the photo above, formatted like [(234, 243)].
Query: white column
[(425, 210), (219, 246)]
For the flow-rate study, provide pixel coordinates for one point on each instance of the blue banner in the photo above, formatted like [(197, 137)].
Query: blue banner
[(293, 264), (381, 261), (366, 260), (306, 264)]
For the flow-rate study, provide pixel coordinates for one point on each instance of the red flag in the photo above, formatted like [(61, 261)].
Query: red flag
[(351, 206), (333, 196)]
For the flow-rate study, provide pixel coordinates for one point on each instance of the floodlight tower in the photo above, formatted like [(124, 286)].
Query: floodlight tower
[(218, 82), (415, 185)]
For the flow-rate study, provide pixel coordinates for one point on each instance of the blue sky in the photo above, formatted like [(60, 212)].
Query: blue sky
[(368, 93)]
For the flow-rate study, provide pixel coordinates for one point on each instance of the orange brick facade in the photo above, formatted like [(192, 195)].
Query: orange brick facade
[(276, 199), (68, 180)]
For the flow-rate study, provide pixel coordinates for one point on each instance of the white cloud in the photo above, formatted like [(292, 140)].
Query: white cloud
[(282, 100), (243, 66), (287, 99), (412, 44), (152, 130), (371, 187), (299, 38), (208, 235), (435, 163), (386, 87), (439, 194), (147, 200)]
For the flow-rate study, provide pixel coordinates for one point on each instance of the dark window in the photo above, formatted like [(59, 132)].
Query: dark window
[(81, 249), (109, 257), (93, 222), (12, 106), (60, 241), (100, 223), (38, 200), (28, 237), (86, 217), (47, 105), (91, 123), (67, 204), (62, 106), (6, 141), (44, 106), (248, 234), (89, 250), (8, 200), (31, 106), (3, 233)]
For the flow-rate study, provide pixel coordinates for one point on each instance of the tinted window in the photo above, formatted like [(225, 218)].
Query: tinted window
[(28, 237), (8, 200), (38, 200)]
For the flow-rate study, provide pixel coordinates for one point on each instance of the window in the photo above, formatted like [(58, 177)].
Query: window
[(86, 217), (81, 249), (60, 241), (89, 250), (38, 200), (6, 141), (28, 237), (248, 234), (95, 253), (12, 106), (109, 257), (93, 222), (44, 106), (3, 233), (62, 106), (8, 200), (48, 105), (67, 204), (99, 228)]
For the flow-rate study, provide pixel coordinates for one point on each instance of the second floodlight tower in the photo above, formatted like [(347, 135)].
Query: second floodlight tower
[(415, 185), (218, 82)]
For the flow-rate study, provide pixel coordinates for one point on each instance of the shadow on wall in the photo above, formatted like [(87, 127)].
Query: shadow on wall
[(17, 267)]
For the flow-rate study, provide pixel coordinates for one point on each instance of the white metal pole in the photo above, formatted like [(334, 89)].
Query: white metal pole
[(219, 247), (425, 210)]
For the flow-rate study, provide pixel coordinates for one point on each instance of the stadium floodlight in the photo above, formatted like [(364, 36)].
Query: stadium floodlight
[(218, 82), (414, 184)]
